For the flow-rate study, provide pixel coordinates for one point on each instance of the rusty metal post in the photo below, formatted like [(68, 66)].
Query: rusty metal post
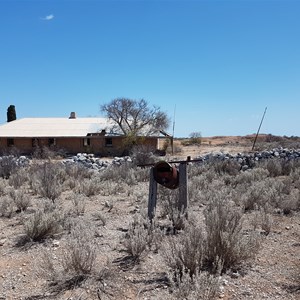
[(152, 196)]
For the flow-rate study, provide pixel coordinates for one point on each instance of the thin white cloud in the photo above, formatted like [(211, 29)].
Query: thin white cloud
[(48, 18)]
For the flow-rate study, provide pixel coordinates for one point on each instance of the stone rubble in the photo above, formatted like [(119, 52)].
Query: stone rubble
[(21, 161), (91, 162), (246, 160)]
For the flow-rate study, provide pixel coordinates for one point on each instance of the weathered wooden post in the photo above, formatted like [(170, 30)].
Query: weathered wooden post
[(183, 187), (152, 196)]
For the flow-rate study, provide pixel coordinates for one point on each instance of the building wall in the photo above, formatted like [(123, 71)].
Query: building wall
[(99, 145)]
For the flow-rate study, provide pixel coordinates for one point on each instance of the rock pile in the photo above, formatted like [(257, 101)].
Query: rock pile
[(20, 161), (91, 162), (247, 160)]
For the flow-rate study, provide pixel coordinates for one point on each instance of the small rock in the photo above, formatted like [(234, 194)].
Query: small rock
[(235, 275), (225, 282), (55, 244)]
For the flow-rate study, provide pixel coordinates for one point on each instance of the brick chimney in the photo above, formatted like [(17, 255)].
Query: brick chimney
[(72, 115)]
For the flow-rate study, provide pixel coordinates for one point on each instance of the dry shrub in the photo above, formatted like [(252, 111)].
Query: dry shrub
[(291, 203), (141, 175), (168, 201), (228, 166), (45, 266), (295, 178), (45, 223), (98, 186), (19, 178), (202, 286), (21, 199), (141, 236), (74, 262), (142, 154), (262, 218), (185, 256), (136, 240), (196, 187), (219, 246), (185, 253), (3, 186), (251, 196), (8, 166), (47, 179), (89, 187), (266, 221), (6, 207), (45, 152), (71, 183), (277, 192), (75, 173), (78, 204), (125, 173), (271, 191), (250, 176), (202, 191), (273, 166), (197, 169), (99, 216), (80, 251), (78, 171), (140, 195), (226, 244), (278, 167)]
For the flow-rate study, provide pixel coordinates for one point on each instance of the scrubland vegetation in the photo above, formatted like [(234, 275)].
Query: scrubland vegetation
[(77, 234)]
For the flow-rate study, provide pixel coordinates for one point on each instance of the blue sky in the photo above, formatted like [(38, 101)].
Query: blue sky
[(220, 63)]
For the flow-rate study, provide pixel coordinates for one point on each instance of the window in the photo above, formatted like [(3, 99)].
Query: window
[(86, 142), (108, 142), (35, 143), (10, 142), (51, 142)]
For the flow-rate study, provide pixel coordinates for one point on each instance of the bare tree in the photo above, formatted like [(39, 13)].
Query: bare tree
[(135, 117), (195, 138)]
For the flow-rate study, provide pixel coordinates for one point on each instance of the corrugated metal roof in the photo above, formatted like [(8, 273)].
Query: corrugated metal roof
[(54, 127)]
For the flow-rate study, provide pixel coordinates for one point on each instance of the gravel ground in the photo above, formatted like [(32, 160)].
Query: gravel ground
[(273, 274)]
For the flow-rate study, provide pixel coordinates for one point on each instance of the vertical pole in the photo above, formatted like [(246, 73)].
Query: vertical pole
[(259, 128), (152, 196), (183, 188), (172, 140)]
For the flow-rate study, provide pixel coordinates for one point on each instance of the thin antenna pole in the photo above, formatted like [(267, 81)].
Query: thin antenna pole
[(259, 128), (174, 120), (173, 130)]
